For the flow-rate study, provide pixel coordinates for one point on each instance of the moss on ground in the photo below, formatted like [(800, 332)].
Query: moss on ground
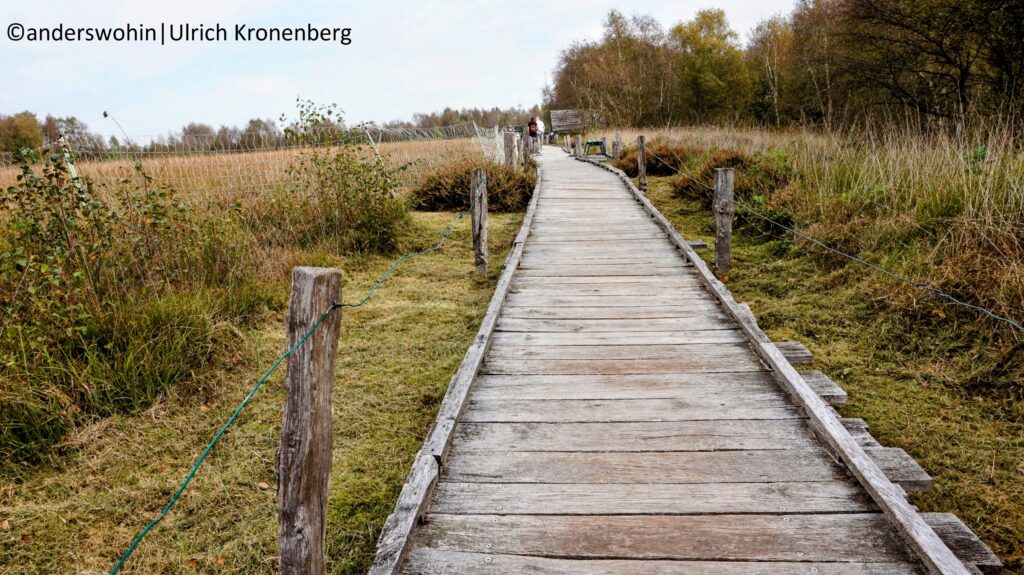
[(397, 355), (904, 374)]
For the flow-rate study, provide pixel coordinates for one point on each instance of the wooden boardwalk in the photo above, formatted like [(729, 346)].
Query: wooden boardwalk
[(621, 423)]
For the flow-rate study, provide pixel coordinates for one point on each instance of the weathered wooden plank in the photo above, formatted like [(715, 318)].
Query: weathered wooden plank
[(649, 499), (691, 309), (855, 537), (636, 338), (428, 561), (859, 430), (393, 542), (594, 282), (547, 298), (795, 352), (720, 362), (759, 466), (635, 436), (644, 386), (963, 542), (922, 539), (578, 260), (715, 321), (900, 468), (824, 387), (673, 409), (600, 270), (715, 352)]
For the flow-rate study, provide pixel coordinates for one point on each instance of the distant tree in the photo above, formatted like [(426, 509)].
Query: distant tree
[(259, 133), (227, 138), (19, 131), (712, 74), (51, 129), (197, 136)]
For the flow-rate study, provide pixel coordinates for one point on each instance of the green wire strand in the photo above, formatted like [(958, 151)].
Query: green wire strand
[(394, 265), (209, 447), (259, 383)]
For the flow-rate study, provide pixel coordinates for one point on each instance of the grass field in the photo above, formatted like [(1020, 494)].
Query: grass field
[(397, 355), (907, 376), (228, 177)]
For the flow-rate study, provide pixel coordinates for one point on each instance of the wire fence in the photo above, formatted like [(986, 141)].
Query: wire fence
[(235, 165), (437, 246)]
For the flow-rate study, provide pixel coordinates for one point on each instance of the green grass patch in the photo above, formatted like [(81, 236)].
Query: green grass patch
[(911, 372), (396, 356)]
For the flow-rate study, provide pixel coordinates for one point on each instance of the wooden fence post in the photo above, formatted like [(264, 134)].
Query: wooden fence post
[(724, 208), (478, 217), (304, 459), (604, 145), (617, 145), (579, 146), (641, 162), (510, 149)]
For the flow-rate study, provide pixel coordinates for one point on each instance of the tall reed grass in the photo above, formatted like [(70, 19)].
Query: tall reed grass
[(943, 207)]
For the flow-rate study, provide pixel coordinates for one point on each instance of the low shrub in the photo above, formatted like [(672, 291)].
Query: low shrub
[(447, 188), (663, 159), (333, 197), (758, 175)]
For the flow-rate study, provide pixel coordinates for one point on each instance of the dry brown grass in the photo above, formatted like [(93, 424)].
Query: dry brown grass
[(229, 177), (943, 208)]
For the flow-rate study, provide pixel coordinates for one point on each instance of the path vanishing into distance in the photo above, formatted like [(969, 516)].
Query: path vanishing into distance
[(620, 413)]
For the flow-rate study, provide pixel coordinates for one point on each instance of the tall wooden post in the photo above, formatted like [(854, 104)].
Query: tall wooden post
[(510, 149), (724, 207), (617, 145), (478, 217), (579, 146), (304, 459), (641, 162)]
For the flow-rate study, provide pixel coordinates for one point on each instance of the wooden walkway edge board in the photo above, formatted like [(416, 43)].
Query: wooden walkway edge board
[(890, 498), (394, 538), (429, 561)]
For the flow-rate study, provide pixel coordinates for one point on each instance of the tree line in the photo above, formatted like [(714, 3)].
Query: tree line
[(25, 130), (483, 117), (826, 62)]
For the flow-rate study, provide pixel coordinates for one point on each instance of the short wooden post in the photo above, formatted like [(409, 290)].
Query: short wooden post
[(304, 459), (724, 207), (510, 149), (617, 145), (641, 162), (604, 145), (478, 216), (579, 146)]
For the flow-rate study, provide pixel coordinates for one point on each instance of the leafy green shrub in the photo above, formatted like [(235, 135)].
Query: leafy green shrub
[(332, 195), (447, 188)]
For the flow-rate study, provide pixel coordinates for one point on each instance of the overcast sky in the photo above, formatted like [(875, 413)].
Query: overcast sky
[(405, 57)]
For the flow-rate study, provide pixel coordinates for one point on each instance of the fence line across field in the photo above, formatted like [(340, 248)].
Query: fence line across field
[(213, 165)]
